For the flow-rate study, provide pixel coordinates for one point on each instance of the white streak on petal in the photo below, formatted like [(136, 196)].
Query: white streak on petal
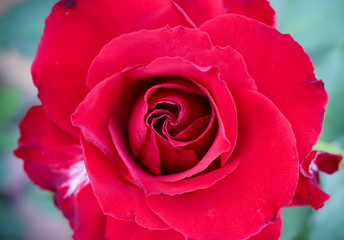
[(78, 179)]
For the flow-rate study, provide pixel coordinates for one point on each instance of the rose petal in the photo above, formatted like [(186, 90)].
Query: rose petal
[(191, 106), (257, 9), (282, 71), (175, 159), (271, 231), (308, 191), (198, 135), (149, 154), (253, 195), (193, 130), (93, 120), (327, 162), (140, 48), (202, 10), (123, 230), (73, 36), (48, 153)]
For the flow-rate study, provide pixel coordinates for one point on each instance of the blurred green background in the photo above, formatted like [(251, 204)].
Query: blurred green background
[(28, 213)]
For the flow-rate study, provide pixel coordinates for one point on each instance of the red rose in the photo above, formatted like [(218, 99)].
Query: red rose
[(172, 119)]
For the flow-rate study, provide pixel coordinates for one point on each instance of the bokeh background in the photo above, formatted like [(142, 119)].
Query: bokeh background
[(28, 213)]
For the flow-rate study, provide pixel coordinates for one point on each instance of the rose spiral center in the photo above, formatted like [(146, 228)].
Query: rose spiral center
[(179, 127)]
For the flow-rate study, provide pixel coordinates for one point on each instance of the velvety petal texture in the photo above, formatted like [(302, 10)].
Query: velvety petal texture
[(174, 119)]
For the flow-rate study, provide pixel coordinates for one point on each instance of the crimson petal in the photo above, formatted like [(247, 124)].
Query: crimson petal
[(202, 10), (142, 47), (282, 71), (49, 153), (308, 191)]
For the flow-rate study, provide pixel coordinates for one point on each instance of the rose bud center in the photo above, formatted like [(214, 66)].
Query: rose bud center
[(179, 127)]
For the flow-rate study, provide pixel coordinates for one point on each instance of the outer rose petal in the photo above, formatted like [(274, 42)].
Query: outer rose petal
[(308, 191), (270, 232), (250, 197), (202, 10), (140, 48), (327, 162), (124, 230), (75, 32), (282, 71), (48, 153), (256, 9), (53, 159)]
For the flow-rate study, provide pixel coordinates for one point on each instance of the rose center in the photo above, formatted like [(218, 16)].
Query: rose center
[(180, 126)]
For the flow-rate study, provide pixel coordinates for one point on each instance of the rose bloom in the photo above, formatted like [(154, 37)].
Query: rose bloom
[(174, 119)]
